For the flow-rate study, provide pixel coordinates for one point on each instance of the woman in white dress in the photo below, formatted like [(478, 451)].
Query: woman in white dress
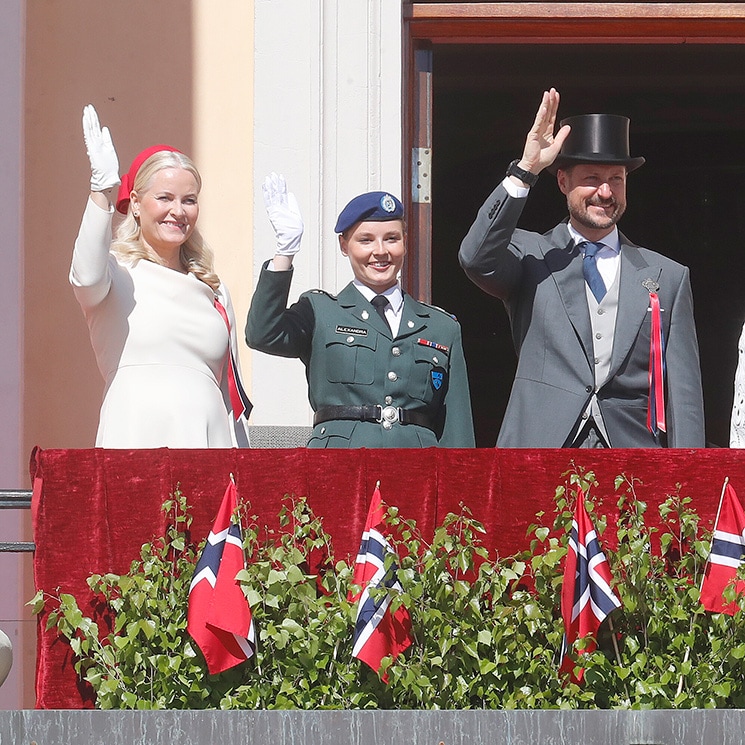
[(161, 323), (737, 421)]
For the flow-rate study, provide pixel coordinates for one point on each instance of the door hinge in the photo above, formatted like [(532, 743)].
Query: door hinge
[(421, 170)]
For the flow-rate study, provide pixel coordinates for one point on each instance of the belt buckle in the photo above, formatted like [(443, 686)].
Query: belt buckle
[(389, 416)]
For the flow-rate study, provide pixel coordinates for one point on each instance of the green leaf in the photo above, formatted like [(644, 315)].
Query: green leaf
[(487, 629)]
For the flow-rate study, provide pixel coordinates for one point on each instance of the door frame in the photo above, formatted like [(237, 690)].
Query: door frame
[(428, 24)]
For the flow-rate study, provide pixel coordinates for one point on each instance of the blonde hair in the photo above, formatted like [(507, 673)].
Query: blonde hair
[(195, 255)]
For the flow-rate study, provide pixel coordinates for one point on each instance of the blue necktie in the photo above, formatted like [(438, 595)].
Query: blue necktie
[(590, 270)]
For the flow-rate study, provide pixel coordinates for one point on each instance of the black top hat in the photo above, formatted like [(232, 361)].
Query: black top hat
[(596, 138)]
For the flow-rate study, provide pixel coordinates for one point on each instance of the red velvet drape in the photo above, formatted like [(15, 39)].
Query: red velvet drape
[(93, 509)]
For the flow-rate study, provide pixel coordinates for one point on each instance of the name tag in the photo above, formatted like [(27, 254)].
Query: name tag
[(351, 330)]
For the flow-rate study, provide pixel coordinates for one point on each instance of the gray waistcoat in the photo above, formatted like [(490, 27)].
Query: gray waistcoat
[(603, 321)]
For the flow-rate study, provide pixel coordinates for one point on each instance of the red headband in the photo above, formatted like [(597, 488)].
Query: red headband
[(128, 180)]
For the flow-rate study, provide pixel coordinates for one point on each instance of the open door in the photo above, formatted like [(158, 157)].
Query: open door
[(475, 74)]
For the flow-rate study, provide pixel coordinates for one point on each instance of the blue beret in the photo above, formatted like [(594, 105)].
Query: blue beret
[(376, 206)]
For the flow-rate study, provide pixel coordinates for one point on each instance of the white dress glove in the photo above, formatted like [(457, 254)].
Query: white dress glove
[(101, 152), (284, 214)]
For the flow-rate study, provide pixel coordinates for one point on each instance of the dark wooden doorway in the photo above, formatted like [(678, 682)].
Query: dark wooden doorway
[(687, 106)]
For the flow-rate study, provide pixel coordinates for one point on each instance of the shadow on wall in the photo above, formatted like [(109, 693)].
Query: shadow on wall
[(133, 62)]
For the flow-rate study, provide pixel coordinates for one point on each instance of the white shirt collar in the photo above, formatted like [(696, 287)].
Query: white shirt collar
[(394, 294), (610, 241)]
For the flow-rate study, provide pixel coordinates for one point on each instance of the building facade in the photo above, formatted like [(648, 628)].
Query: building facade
[(429, 100)]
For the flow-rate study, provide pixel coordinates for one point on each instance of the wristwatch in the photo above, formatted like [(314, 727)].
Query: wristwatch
[(531, 179)]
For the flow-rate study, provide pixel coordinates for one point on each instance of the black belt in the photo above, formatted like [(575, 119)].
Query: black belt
[(373, 413)]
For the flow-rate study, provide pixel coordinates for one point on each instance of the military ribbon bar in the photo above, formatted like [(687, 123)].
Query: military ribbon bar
[(656, 406), (433, 344)]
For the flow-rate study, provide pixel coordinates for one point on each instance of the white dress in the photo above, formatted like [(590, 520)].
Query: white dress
[(161, 346), (737, 420)]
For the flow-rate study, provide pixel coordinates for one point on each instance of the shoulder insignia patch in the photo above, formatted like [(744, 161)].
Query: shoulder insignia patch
[(442, 310), (322, 292)]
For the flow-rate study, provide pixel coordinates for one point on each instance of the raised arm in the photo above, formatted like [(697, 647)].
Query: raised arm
[(89, 271), (284, 215), (542, 146), (271, 326), (489, 253)]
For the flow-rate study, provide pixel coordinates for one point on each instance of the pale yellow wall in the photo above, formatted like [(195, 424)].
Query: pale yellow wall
[(222, 108), (167, 71)]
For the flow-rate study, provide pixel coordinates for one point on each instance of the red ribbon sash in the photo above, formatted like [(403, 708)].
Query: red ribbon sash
[(656, 406), (238, 398)]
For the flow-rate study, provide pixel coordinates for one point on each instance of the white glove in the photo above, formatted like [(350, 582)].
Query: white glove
[(284, 214), (101, 152)]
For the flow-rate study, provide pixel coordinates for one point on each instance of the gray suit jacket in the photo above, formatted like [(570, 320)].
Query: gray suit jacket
[(539, 279)]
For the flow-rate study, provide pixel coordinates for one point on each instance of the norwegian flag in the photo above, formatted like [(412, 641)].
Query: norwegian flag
[(586, 595), (726, 554), (378, 632), (219, 618)]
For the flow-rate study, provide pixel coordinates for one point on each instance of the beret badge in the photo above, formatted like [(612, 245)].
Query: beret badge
[(387, 203)]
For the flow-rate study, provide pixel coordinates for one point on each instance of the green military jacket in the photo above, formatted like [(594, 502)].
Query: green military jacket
[(351, 359)]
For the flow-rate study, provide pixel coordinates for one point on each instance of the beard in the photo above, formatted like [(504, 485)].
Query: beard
[(581, 215)]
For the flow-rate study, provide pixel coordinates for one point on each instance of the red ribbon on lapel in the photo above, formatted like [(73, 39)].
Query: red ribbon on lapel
[(238, 398), (656, 406)]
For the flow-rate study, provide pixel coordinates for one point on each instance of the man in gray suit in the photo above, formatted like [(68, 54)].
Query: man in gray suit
[(603, 329)]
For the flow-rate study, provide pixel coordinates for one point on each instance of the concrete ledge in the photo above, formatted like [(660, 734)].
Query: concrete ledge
[(722, 727)]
